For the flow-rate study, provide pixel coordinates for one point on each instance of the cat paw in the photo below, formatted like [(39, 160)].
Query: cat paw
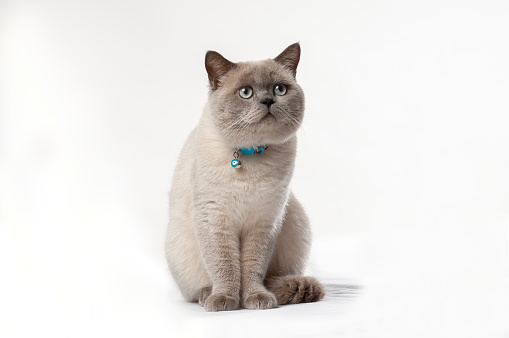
[(220, 302), (295, 289), (260, 300), (204, 294)]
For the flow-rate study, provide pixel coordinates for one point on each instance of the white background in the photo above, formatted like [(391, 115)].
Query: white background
[(403, 163)]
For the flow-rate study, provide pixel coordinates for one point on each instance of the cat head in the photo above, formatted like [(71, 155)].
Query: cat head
[(256, 102)]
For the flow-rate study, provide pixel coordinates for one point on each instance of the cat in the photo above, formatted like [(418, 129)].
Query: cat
[(237, 235)]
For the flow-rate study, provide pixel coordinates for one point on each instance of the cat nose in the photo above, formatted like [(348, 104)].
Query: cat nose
[(268, 102)]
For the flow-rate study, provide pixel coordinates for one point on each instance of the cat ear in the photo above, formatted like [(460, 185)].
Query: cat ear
[(290, 57), (217, 66)]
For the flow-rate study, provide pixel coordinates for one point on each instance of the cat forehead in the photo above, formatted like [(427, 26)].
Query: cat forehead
[(259, 72)]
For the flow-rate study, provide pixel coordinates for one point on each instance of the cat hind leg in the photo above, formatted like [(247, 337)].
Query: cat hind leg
[(295, 289), (284, 277), (204, 294)]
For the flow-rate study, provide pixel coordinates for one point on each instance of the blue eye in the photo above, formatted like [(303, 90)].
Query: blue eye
[(246, 92), (280, 89)]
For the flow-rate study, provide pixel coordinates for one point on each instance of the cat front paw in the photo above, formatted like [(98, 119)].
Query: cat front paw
[(260, 300), (220, 302)]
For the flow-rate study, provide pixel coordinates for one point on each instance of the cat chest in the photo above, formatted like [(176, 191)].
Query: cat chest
[(255, 193), (256, 199)]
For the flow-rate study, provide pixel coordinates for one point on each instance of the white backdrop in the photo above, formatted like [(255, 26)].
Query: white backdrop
[(403, 160)]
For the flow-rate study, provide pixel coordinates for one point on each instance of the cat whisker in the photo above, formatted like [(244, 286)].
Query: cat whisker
[(292, 119)]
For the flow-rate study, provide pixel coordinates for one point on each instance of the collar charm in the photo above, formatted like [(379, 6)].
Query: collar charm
[(235, 163)]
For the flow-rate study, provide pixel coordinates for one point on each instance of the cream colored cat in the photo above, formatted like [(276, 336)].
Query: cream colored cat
[(237, 235)]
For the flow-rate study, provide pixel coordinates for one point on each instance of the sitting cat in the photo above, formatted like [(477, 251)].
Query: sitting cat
[(237, 235)]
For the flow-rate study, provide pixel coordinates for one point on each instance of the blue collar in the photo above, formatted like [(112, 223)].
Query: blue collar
[(235, 163), (253, 150)]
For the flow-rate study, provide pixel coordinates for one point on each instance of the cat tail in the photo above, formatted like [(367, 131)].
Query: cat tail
[(295, 289)]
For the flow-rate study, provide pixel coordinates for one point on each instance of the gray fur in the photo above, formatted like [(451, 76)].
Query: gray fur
[(238, 237)]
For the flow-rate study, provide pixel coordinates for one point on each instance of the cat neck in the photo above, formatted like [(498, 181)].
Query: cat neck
[(209, 141)]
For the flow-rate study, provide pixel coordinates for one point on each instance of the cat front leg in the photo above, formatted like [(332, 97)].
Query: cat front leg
[(256, 250), (219, 248)]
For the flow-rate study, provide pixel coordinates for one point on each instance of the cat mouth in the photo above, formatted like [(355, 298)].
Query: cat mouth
[(268, 116)]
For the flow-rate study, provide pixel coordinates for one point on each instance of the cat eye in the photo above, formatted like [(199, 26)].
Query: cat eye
[(246, 92), (280, 89)]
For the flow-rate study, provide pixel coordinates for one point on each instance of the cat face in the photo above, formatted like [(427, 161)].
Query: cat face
[(258, 102)]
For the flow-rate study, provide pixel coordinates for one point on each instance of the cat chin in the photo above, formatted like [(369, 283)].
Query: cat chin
[(261, 136), (269, 141)]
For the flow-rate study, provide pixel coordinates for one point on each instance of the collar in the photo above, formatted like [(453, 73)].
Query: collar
[(253, 150), (235, 163)]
